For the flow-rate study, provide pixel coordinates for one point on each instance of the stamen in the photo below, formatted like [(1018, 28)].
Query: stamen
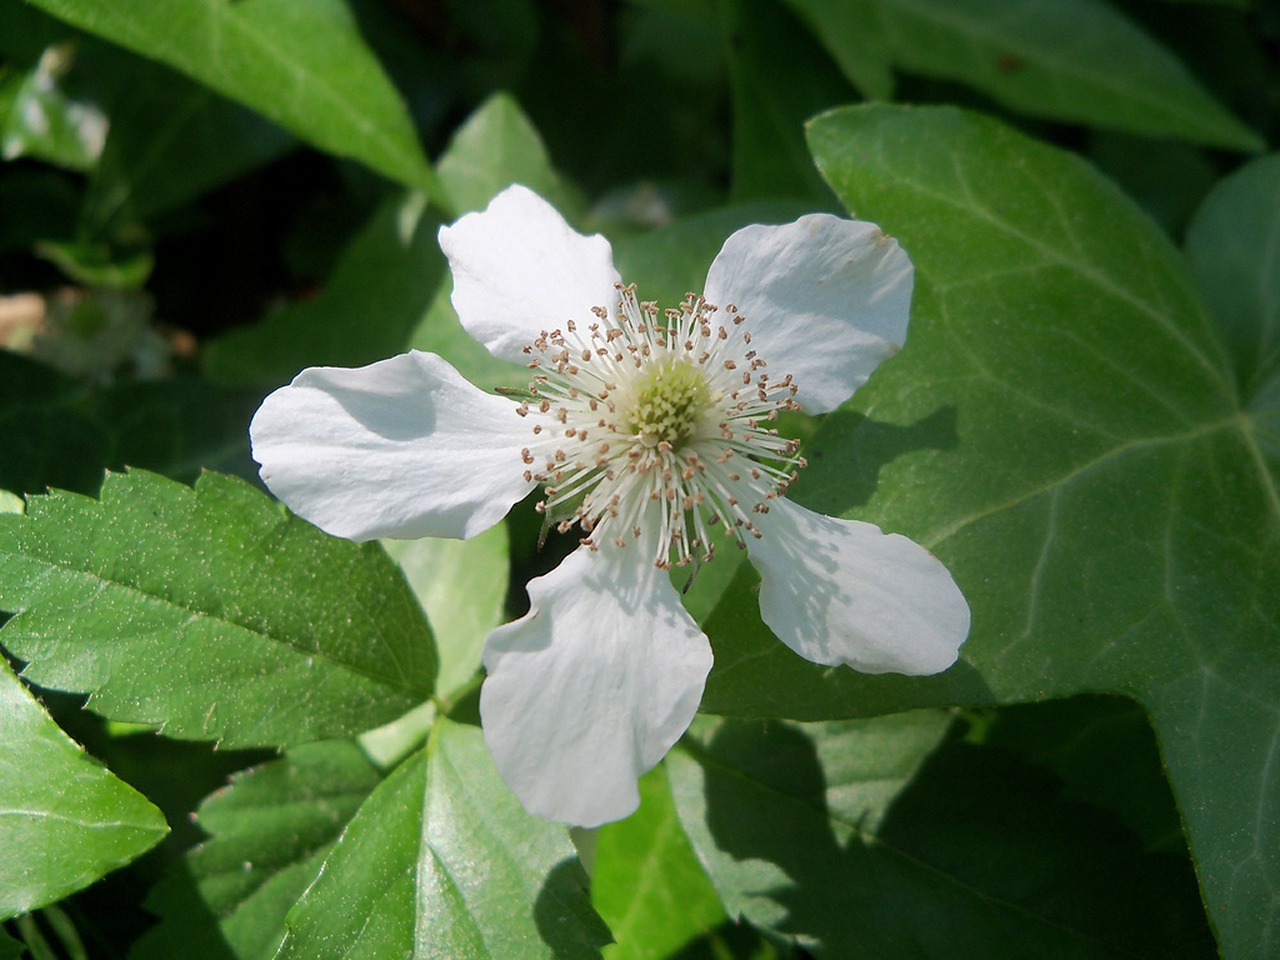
[(666, 406)]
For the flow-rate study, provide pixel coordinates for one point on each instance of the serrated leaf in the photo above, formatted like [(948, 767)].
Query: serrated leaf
[(377, 294), (303, 65), (443, 862), (1233, 243), (1063, 431), (647, 882), (1075, 60), (271, 829), (212, 613), (65, 820), (865, 833)]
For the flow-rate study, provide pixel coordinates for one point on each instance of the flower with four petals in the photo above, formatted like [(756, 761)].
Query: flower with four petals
[(651, 433)]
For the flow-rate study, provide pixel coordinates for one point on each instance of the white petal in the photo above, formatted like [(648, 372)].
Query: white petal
[(401, 448), (825, 299), (519, 269), (592, 687), (844, 592)]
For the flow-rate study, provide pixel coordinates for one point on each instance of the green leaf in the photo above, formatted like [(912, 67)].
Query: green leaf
[(271, 829), (212, 613), (10, 949), (462, 586), (864, 832), (443, 862), (94, 264), (647, 882), (65, 821), (170, 141), (1075, 60), (1233, 243), (60, 433), (376, 296), (780, 78), (1104, 751), (361, 906), (496, 147), (1264, 408), (303, 65), (665, 264), (1063, 431), (441, 332)]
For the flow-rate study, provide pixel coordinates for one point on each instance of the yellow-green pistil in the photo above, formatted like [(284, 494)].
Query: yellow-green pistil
[(670, 399)]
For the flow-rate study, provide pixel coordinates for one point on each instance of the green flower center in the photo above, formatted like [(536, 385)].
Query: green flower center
[(670, 398)]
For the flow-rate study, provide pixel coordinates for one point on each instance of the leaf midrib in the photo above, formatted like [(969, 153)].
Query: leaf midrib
[(68, 571), (1238, 422)]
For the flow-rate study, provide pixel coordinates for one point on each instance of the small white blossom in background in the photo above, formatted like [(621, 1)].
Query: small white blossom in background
[(650, 432)]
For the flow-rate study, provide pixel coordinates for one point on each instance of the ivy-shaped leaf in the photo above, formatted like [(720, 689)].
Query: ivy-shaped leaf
[(866, 832), (1233, 243), (1063, 430), (1074, 60)]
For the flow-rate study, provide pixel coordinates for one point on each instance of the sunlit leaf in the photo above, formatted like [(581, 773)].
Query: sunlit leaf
[(38, 119), (647, 882), (1062, 429), (462, 586), (304, 65), (271, 829), (65, 820), (443, 862), (495, 147), (210, 612)]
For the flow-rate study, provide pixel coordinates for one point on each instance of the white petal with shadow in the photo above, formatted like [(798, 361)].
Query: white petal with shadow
[(825, 299), (592, 687), (519, 269), (401, 448), (844, 592)]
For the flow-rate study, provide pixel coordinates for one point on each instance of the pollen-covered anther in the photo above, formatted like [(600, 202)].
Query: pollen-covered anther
[(673, 417)]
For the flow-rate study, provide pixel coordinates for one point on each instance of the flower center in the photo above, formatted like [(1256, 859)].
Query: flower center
[(671, 397), (657, 431)]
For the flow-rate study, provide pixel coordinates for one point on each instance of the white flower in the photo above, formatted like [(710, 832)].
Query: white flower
[(650, 432)]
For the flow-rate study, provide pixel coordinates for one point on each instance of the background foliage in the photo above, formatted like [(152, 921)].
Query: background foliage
[(224, 734)]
